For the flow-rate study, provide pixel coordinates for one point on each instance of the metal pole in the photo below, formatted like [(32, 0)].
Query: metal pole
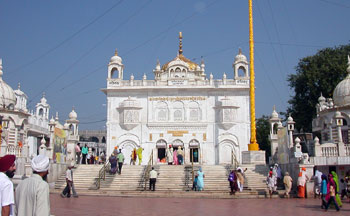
[(192, 165)]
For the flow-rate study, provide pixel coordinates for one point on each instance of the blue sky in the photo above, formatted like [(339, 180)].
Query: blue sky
[(63, 47)]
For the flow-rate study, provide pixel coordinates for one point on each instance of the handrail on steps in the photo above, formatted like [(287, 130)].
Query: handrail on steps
[(148, 169), (234, 160), (102, 174)]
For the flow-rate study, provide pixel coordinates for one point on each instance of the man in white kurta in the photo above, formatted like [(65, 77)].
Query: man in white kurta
[(32, 194)]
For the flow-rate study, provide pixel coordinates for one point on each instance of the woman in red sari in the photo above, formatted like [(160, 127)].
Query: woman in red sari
[(302, 183)]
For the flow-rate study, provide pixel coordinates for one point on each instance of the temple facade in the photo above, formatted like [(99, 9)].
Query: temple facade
[(181, 106)]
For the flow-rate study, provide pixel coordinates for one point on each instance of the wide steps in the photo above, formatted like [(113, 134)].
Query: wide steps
[(170, 178)]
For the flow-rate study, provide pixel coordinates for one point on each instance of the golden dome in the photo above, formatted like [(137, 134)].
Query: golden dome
[(180, 56), (191, 64)]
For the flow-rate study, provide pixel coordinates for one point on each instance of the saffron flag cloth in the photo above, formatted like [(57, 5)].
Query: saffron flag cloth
[(60, 146)]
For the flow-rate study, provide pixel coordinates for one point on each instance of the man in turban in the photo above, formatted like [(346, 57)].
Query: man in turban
[(7, 171), (32, 194)]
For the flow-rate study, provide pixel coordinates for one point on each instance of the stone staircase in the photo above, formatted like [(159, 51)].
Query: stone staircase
[(129, 180), (171, 179), (84, 177)]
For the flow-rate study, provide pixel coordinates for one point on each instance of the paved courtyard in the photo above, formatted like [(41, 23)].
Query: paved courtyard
[(121, 206)]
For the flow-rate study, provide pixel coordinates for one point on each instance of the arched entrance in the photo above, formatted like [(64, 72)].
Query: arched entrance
[(127, 147), (161, 149), (228, 152), (194, 151), (176, 146)]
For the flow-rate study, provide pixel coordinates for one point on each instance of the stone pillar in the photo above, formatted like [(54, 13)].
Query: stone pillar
[(25, 148), (224, 79), (3, 146), (330, 132), (318, 149)]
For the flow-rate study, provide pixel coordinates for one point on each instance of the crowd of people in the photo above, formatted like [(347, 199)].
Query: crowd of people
[(174, 156), (329, 188), (85, 155), (31, 196)]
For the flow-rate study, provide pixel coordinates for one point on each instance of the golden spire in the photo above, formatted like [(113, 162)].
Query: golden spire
[(240, 51), (116, 52), (180, 43)]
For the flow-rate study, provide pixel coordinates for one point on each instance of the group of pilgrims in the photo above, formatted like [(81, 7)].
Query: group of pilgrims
[(236, 180), (329, 187)]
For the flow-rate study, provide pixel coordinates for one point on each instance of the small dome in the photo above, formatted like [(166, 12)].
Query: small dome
[(19, 92), (73, 115), (52, 120), (338, 114), (7, 95), (341, 94), (321, 99), (43, 142), (158, 65), (240, 57), (279, 125), (180, 59), (290, 119), (43, 99), (116, 58), (274, 114), (66, 126)]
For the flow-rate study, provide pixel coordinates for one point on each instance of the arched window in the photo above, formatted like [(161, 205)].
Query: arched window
[(178, 115), (41, 112), (162, 115), (162, 111), (194, 115), (115, 73), (241, 72)]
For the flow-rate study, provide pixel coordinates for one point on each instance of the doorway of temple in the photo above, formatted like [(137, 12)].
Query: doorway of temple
[(161, 151), (194, 151), (194, 155), (179, 151)]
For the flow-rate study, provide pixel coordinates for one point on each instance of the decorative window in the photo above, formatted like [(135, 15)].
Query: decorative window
[(228, 115), (162, 115), (41, 112), (178, 115), (194, 115)]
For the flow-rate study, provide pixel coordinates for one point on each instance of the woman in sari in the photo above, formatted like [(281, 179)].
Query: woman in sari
[(302, 182), (113, 161), (232, 178), (175, 158), (139, 154), (200, 181), (336, 181), (324, 191)]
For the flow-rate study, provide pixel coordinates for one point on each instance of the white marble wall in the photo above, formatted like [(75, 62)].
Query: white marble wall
[(216, 139)]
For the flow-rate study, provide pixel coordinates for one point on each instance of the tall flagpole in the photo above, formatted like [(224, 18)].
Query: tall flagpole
[(253, 146)]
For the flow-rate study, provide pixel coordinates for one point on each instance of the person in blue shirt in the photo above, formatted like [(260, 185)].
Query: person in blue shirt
[(324, 191)]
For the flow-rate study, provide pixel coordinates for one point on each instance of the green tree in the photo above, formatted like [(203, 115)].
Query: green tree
[(315, 74), (262, 134)]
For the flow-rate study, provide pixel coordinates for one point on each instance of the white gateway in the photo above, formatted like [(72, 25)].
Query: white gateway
[(208, 118)]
